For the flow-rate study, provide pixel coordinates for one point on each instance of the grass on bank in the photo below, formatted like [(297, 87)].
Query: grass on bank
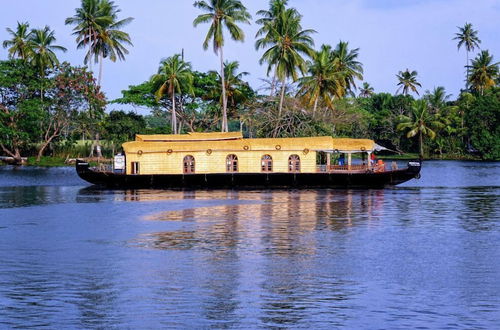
[(49, 161)]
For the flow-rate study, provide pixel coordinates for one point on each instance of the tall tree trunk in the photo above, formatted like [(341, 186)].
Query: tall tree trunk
[(90, 59), (315, 106), (273, 83), (224, 100), (174, 115), (282, 97), (467, 72), (421, 144), (100, 69)]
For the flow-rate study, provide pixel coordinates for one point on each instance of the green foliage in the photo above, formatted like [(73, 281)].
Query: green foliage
[(141, 95), (20, 106), (420, 123), (222, 14), (322, 81), (18, 46), (483, 122), (174, 76), (347, 66), (408, 82), (46, 161), (483, 72), (120, 126)]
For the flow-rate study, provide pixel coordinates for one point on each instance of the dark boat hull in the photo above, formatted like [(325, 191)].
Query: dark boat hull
[(250, 180)]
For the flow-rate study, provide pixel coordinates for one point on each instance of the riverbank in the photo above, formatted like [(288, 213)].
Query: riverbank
[(48, 161)]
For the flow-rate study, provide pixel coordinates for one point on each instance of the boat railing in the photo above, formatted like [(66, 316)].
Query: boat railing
[(355, 168), (342, 168)]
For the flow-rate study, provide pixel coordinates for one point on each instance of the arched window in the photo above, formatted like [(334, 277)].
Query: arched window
[(232, 163), (188, 164), (294, 163), (267, 163)]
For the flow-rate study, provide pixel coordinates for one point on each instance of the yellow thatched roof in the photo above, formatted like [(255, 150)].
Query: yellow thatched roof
[(194, 136), (350, 145), (222, 142)]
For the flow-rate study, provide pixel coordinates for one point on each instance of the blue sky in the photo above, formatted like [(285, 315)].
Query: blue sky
[(392, 35)]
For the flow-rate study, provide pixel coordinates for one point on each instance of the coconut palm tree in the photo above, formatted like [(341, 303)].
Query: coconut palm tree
[(98, 28), (420, 122), (42, 48), (18, 46), (222, 14), (234, 83), (88, 20), (268, 18), (276, 7), (345, 62), (322, 81), (111, 41), (174, 75), (408, 82), (288, 44), (366, 91), (483, 72), (468, 38), (437, 99)]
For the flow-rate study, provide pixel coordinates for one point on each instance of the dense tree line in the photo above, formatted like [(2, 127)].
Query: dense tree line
[(308, 91)]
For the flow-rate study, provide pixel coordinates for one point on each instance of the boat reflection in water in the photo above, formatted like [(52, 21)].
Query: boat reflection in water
[(276, 220), (265, 248)]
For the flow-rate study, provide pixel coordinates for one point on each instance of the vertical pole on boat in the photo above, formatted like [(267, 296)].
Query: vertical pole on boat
[(349, 161), (369, 160), (328, 160)]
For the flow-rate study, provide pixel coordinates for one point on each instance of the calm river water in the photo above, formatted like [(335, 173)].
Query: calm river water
[(423, 255)]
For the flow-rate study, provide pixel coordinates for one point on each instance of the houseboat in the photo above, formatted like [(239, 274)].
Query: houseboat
[(227, 160)]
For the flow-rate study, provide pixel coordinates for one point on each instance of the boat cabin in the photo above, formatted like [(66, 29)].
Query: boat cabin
[(208, 153)]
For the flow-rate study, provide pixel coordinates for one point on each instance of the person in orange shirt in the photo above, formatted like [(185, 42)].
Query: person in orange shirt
[(380, 167)]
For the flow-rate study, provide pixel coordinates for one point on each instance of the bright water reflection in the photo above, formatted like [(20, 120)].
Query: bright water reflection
[(422, 255)]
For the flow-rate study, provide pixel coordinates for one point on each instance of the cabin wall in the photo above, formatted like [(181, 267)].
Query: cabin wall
[(248, 161)]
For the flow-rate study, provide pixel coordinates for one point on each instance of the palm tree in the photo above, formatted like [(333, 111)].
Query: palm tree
[(408, 81), (276, 7), (222, 13), (484, 72), (287, 43), (19, 44), (345, 62), (268, 18), (467, 37), (419, 122), (110, 41), (366, 91), (42, 48), (437, 99), (234, 83), (322, 81), (98, 27), (174, 75), (88, 20)]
